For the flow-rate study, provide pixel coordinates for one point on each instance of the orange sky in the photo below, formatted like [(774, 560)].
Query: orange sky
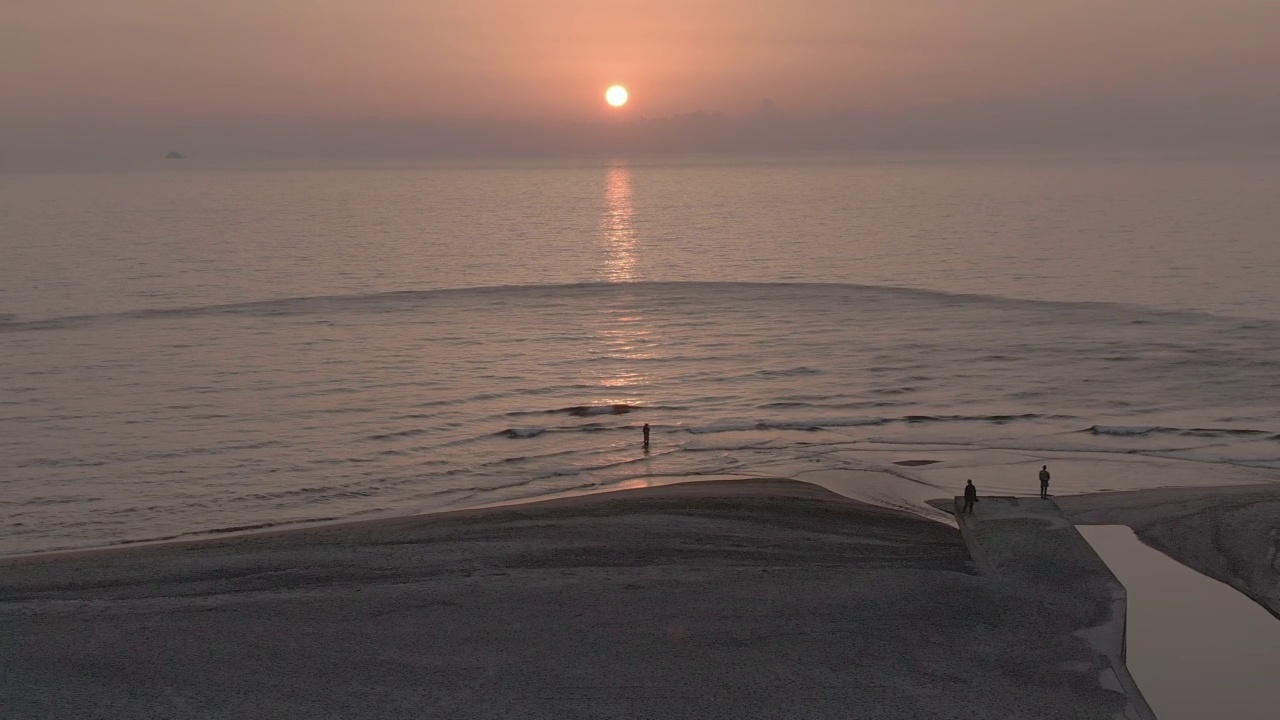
[(552, 59)]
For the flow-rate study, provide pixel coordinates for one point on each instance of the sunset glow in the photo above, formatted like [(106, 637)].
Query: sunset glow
[(461, 77), (616, 96)]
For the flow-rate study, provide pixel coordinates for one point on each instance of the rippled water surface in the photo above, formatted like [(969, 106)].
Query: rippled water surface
[(197, 349)]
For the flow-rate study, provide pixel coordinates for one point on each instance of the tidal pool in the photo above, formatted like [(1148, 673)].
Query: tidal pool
[(1196, 647)]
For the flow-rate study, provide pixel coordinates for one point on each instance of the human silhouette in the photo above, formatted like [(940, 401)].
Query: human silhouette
[(646, 436), (1044, 482), (970, 497)]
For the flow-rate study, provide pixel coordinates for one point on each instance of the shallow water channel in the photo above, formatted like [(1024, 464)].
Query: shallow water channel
[(1196, 647)]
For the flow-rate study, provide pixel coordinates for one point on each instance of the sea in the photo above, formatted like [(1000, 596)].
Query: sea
[(192, 348)]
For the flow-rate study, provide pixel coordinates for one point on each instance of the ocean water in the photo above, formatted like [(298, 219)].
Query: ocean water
[(193, 349)]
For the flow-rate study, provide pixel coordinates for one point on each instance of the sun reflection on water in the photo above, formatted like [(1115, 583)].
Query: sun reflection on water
[(625, 338), (617, 227)]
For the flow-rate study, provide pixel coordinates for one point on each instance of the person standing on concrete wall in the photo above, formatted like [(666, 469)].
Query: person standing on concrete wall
[(1044, 482), (970, 497)]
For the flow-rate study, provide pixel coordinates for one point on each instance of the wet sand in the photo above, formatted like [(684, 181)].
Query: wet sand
[(744, 599)]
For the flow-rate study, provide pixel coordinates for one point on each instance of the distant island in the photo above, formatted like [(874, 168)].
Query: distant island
[(175, 155)]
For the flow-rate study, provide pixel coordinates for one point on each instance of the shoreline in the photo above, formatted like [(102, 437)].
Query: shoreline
[(208, 536), (1121, 507)]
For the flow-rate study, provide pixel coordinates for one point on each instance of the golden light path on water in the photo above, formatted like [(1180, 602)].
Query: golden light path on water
[(617, 227), (625, 339)]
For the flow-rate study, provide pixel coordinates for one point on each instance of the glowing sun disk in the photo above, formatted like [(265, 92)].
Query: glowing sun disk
[(616, 96)]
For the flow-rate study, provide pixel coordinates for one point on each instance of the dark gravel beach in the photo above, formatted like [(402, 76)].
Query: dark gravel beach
[(745, 599)]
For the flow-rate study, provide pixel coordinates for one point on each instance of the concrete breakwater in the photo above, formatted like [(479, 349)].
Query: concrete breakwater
[(1029, 540)]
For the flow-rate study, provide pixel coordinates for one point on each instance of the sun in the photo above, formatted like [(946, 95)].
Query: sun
[(616, 96)]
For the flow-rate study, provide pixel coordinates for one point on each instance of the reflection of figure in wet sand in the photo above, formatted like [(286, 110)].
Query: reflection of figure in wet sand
[(646, 436)]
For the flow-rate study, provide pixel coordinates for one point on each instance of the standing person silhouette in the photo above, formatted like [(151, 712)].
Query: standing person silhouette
[(970, 497), (1044, 482), (646, 436)]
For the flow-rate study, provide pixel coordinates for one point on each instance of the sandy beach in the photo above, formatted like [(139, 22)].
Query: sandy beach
[(744, 599)]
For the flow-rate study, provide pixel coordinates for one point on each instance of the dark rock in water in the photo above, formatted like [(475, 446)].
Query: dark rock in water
[(175, 156)]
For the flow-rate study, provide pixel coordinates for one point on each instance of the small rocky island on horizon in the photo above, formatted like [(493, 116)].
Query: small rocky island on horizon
[(175, 155)]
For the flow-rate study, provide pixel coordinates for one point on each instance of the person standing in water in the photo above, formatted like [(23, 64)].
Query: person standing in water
[(646, 436), (970, 497), (1044, 482)]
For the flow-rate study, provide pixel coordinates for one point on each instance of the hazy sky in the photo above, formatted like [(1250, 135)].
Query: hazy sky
[(550, 60)]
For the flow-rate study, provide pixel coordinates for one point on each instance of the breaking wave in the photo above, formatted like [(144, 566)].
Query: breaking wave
[(1138, 431)]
